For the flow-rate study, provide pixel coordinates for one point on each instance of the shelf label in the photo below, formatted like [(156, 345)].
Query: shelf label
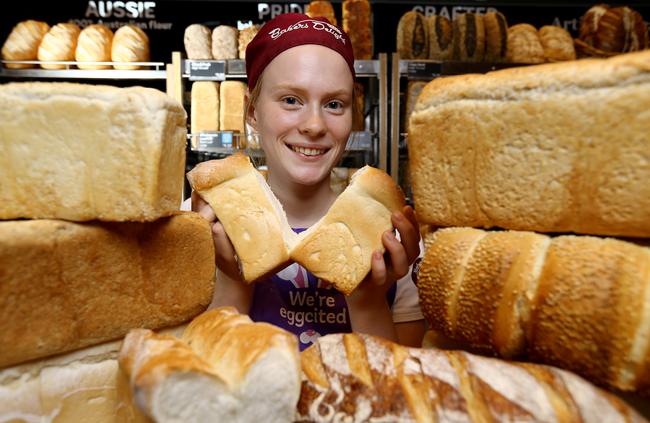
[(211, 141), (206, 70), (423, 69)]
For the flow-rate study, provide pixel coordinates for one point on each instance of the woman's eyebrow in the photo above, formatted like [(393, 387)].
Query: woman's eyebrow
[(296, 88)]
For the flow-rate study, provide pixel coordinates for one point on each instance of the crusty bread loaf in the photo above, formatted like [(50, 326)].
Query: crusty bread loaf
[(440, 32), (360, 378), (197, 40), (557, 43), (23, 41), (224, 42), (469, 37), (204, 115), (322, 9), (560, 147), (130, 44), (576, 302), (231, 106), (357, 22), (59, 44), (82, 152), (68, 285), (496, 37), (524, 45), (412, 36), (224, 368), (94, 45), (245, 36)]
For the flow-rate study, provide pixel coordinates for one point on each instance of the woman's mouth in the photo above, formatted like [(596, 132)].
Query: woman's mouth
[(309, 151)]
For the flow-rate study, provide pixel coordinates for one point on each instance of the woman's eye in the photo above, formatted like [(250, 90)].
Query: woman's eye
[(290, 100), (335, 105)]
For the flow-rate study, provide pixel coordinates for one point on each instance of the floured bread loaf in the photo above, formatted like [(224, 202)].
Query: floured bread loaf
[(59, 44), (130, 44), (23, 42), (94, 45), (224, 42), (198, 42), (245, 36), (82, 152)]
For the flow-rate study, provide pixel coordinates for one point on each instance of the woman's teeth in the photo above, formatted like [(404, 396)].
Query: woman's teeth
[(308, 151)]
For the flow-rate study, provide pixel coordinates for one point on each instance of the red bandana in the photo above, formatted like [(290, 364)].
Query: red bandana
[(290, 30)]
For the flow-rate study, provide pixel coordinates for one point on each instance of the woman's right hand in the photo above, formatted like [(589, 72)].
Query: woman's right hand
[(225, 256)]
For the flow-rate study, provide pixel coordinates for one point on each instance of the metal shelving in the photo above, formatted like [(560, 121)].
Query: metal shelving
[(152, 70)]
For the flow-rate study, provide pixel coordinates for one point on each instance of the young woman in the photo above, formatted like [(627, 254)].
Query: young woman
[(301, 73)]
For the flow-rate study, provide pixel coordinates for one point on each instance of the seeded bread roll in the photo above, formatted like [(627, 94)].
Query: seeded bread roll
[(94, 45), (59, 44), (321, 9), (23, 41), (469, 38), (130, 44), (246, 35), (441, 33), (224, 42), (557, 43), (412, 36), (496, 37), (524, 45), (198, 42)]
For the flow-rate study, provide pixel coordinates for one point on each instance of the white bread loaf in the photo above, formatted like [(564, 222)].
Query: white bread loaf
[(204, 115), (130, 44), (224, 42), (245, 36), (562, 147), (359, 378), (23, 41), (82, 152), (94, 45), (198, 43), (59, 44), (224, 368), (68, 285), (577, 302), (231, 106), (337, 248)]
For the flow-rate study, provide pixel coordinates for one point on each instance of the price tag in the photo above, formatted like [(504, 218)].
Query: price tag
[(215, 142), (209, 70), (426, 70)]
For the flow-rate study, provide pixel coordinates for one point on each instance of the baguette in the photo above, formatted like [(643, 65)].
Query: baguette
[(223, 368), (68, 285), (560, 147), (360, 378), (577, 302)]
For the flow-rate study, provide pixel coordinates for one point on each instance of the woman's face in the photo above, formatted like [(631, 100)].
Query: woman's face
[(304, 113)]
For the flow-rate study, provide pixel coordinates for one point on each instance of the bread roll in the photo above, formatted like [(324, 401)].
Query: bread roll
[(231, 106), (23, 41), (412, 36), (469, 37), (496, 37), (205, 106), (539, 148), (224, 42), (198, 42), (246, 35), (130, 44), (524, 45), (322, 9), (224, 368), (94, 45), (606, 31), (89, 152), (58, 44), (557, 43), (69, 285), (440, 32), (357, 21)]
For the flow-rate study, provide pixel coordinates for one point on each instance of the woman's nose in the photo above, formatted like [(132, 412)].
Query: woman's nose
[(313, 124)]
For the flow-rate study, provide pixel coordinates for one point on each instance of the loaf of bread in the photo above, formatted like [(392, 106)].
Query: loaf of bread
[(224, 42), (197, 40), (469, 37), (559, 147), (440, 32), (606, 30), (83, 152), (231, 106), (576, 302), (130, 44), (204, 115), (69, 285), (224, 368), (557, 43), (412, 36), (360, 378), (23, 41), (94, 45), (357, 23), (321, 9), (59, 44), (337, 248), (413, 90), (496, 37), (246, 35), (524, 45)]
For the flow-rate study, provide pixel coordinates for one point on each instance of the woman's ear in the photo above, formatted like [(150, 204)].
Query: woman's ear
[(251, 120)]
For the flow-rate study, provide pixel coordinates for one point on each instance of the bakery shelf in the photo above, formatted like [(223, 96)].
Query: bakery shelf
[(153, 70)]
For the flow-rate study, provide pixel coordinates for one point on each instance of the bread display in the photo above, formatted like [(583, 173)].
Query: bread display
[(440, 32), (59, 44), (412, 36), (231, 106), (245, 36), (224, 368), (557, 43), (360, 378), (224, 42), (94, 45), (524, 45), (358, 117), (496, 37), (469, 37), (204, 115), (23, 41), (89, 152), (337, 248), (413, 90), (322, 9), (606, 31), (130, 44), (357, 23), (197, 40), (559, 147)]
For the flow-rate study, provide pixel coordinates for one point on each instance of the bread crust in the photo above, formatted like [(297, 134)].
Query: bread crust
[(23, 41)]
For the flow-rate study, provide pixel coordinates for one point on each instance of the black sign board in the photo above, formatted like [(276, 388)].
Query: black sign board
[(205, 70)]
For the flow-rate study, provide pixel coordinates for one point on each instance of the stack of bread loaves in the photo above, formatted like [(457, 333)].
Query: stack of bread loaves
[(224, 42), (91, 244), (556, 148)]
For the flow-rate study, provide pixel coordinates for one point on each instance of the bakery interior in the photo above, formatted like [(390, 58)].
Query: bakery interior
[(519, 132)]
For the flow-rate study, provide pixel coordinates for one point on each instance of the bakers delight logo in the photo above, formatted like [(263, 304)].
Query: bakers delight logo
[(276, 33)]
